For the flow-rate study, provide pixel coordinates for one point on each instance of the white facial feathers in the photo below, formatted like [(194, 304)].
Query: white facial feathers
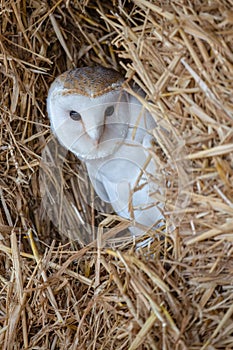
[(96, 95)]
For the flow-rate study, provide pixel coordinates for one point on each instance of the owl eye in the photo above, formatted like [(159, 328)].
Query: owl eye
[(75, 115), (109, 111)]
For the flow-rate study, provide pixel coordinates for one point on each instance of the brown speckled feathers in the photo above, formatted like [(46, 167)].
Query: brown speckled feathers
[(91, 81)]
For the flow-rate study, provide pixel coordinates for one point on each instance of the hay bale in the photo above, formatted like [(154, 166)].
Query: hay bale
[(61, 293)]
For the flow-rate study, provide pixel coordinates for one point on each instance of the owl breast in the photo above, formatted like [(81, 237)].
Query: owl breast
[(127, 180)]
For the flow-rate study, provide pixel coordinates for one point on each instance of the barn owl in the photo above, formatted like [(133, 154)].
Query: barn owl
[(104, 126)]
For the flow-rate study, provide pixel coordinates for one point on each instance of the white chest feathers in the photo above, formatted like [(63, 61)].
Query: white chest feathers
[(92, 116)]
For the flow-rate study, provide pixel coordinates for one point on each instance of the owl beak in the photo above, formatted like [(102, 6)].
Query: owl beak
[(96, 133)]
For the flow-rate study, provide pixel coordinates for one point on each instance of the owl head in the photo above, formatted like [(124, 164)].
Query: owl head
[(88, 111)]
